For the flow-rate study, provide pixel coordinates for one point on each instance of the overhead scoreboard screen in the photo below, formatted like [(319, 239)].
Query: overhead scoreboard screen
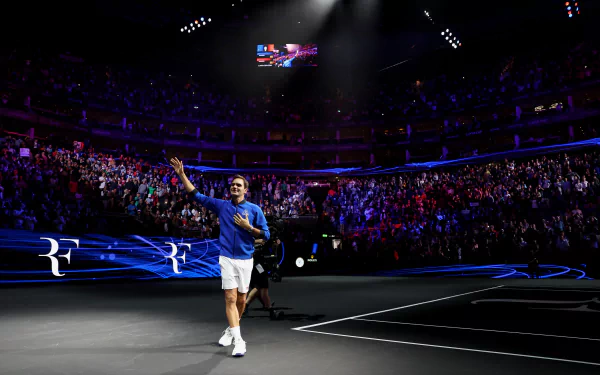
[(286, 55)]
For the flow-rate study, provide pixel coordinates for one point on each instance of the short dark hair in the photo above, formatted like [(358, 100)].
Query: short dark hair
[(242, 178)]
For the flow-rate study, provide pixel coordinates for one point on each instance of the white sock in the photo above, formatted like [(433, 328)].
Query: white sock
[(235, 332)]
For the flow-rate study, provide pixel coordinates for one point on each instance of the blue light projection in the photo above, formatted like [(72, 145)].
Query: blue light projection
[(315, 172), (413, 167), (98, 257), (493, 271), (24, 259)]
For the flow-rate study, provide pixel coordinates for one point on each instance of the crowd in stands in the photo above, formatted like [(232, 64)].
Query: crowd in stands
[(33, 76), (540, 207), (74, 190), (544, 208)]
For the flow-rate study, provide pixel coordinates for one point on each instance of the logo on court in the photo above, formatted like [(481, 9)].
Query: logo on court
[(174, 251), (53, 250)]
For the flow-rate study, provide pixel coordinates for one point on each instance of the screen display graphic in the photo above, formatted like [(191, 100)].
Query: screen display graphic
[(286, 55)]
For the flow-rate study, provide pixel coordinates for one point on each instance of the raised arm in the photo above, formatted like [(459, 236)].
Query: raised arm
[(178, 167), (208, 202)]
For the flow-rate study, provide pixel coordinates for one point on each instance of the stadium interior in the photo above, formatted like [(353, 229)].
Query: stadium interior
[(434, 162)]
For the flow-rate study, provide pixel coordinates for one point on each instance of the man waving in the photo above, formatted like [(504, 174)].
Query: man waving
[(241, 223)]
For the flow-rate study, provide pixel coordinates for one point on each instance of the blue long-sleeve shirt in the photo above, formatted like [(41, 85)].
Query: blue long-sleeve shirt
[(236, 243)]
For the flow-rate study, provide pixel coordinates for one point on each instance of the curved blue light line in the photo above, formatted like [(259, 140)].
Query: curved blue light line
[(565, 270), (468, 275), (282, 253), (494, 271), (505, 275), (582, 273), (448, 269)]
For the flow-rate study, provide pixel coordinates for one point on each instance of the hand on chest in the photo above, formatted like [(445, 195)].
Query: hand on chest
[(244, 213)]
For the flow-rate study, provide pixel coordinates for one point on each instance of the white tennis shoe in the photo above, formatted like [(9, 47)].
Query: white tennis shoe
[(239, 349), (227, 338)]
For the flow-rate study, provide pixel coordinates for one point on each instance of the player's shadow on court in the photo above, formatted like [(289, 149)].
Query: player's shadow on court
[(261, 313)]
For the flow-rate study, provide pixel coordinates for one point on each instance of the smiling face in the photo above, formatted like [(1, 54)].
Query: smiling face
[(238, 188)]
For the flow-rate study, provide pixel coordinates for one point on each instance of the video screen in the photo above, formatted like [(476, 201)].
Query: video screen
[(286, 55)]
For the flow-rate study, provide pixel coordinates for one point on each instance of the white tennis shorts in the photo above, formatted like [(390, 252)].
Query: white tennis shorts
[(236, 273)]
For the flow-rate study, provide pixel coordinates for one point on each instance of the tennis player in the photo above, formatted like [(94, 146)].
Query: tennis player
[(241, 223)]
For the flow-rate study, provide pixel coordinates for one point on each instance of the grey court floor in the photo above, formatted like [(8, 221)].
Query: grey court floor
[(331, 325)]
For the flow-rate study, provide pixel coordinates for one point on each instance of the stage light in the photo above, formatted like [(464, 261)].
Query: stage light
[(209, 20), (446, 38), (193, 28), (442, 33), (182, 30), (189, 31), (204, 23), (201, 18), (572, 9), (191, 24), (196, 21), (447, 30)]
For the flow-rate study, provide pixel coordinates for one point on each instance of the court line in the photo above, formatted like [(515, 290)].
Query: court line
[(457, 348), (480, 329), (555, 290), (394, 309)]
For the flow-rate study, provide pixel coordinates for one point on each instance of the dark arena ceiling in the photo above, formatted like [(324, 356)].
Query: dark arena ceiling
[(359, 35)]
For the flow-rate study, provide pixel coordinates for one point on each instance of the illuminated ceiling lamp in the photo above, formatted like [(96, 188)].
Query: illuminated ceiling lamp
[(572, 9)]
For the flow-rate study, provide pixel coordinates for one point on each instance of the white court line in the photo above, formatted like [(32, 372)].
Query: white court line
[(457, 348), (555, 290), (395, 308), (480, 329)]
